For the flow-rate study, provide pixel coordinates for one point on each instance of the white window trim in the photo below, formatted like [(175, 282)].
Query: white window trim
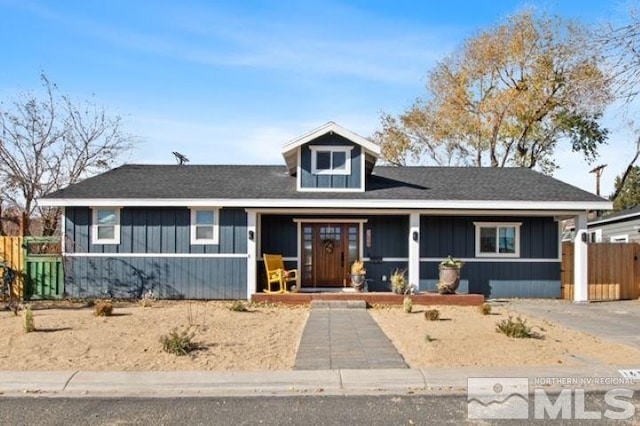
[(515, 225), (331, 148), (216, 222), (624, 238), (94, 226)]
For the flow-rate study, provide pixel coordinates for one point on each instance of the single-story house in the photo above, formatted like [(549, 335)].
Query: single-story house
[(619, 227), (199, 231)]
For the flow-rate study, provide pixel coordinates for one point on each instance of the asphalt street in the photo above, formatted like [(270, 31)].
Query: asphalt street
[(280, 410)]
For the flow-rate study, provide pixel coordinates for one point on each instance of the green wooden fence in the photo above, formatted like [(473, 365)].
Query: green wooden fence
[(43, 271)]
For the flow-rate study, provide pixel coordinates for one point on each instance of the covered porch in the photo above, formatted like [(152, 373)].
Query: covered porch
[(322, 248)]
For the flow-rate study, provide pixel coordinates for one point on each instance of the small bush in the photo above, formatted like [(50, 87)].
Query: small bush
[(238, 306), (408, 304), (103, 308), (178, 343), (29, 324), (485, 309), (428, 338), (517, 328), (432, 314)]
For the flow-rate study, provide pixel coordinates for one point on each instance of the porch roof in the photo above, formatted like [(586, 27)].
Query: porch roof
[(388, 185)]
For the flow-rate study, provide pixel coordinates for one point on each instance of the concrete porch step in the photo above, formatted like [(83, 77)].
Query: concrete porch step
[(338, 304)]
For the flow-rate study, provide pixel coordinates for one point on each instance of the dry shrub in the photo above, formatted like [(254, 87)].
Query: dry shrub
[(432, 315), (516, 328), (485, 309), (179, 342), (103, 308)]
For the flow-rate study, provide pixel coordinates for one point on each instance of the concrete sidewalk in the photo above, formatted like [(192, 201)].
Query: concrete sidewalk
[(324, 382)]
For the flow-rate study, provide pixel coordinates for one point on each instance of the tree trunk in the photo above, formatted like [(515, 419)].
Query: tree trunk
[(25, 225)]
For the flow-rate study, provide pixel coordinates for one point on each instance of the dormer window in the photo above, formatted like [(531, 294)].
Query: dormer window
[(331, 160)]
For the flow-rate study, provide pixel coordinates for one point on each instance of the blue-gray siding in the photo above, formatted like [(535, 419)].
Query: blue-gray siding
[(278, 235), (161, 231), (156, 230), (455, 235), (168, 278), (389, 236), (502, 279), (309, 180)]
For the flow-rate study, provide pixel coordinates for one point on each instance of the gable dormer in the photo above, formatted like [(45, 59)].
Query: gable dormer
[(330, 158)]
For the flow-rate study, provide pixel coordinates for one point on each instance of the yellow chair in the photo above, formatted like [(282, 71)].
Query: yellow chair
[(276, 273)]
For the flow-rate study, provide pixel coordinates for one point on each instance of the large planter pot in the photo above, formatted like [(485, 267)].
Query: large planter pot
[(357, 281), (449, 280)]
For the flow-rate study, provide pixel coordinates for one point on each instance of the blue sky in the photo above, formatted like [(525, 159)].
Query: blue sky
[(232, 81)]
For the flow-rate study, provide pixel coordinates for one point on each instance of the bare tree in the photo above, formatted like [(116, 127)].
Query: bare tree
[(48, 142), (621, 45)]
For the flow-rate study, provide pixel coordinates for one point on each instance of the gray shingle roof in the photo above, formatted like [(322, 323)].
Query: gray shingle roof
[(273, 182), (628, 214)]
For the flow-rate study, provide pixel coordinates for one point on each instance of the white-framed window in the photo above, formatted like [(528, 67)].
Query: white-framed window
[(204, 225), (497, 239), (105, 225), (331, 160), (619, 239)]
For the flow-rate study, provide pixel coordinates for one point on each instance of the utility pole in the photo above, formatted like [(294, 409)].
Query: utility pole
[(598, 172)]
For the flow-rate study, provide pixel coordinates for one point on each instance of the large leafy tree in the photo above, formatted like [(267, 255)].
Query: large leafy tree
[(506, 98), (627, 190), (47, 142)]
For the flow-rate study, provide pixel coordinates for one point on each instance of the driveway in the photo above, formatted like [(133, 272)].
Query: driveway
[(615, 321)]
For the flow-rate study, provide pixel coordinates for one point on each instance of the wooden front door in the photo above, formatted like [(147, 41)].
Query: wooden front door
[(328, 249)]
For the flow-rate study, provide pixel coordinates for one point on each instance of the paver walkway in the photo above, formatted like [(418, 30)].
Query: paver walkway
[(336, 337)]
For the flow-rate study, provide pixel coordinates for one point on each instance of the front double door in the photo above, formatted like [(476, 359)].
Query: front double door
[(328, 250)]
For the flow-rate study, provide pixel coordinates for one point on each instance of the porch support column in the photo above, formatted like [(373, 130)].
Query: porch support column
[(414, 250), (580, 260), (252, 259)]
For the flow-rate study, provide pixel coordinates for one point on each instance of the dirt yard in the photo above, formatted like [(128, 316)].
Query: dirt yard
[(69, 336), (73, 338), (464, 337)]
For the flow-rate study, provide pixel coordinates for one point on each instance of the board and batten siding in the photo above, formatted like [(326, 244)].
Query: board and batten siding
[(441, 236), (351, 181), (196, 274), (389, 242), (530, 275)]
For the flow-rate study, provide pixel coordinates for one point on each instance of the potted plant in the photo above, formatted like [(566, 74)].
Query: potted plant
[(449, 278), (357, 275), (398, 281)]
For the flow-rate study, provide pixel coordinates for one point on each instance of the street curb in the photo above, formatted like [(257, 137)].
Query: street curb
[(296, 382)]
